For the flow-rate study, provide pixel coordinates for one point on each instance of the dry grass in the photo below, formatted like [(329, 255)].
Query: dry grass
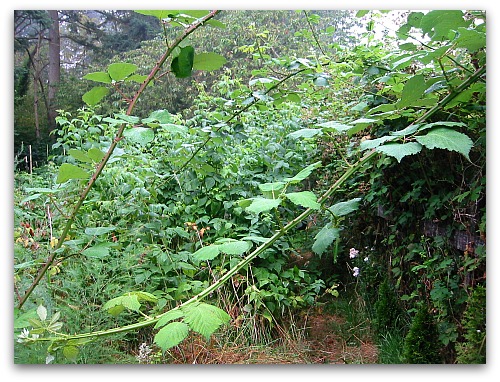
[(317, 343)]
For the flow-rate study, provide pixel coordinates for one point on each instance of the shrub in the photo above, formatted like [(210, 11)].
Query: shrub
[(387, 309), (421, 344), (473, 350)]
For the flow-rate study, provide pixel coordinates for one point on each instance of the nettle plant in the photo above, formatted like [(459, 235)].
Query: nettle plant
[(419, 96)]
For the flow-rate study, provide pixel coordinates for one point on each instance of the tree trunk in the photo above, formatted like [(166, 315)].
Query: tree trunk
[(54, 67)]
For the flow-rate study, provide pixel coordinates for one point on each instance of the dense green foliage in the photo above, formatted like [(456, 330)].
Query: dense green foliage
[(421, 343), (255, 178)]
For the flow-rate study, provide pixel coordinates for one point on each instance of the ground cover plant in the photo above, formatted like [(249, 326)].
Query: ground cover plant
[(336, 187)]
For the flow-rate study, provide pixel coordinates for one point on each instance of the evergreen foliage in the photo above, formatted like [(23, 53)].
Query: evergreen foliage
[(473, 349), (388, 312), (421, 345)]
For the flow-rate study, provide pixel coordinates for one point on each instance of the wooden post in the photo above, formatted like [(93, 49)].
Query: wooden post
[(31, 160)]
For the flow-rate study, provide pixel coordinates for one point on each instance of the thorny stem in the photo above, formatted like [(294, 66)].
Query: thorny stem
[(114, 143)]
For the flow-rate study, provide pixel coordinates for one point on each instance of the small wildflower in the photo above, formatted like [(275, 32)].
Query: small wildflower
[(356, 272), (23, 336), (366, 259), (144, 353), (353, 253)]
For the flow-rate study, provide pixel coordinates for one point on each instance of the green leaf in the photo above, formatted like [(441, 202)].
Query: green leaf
[(95, 95), (208, 252), (305, 199), (124, 118), (97, 231), (182, 65), (442, 123), (360, 124), (41, 311), (407, 130), (160, 15), (174, 129), (204, 318), (293, 97), (137, 78), (98, 77), (140, 135), (171, 335), (129, 301), (237, 247), (304, 173), (413, 90), (162, 116), (169, 316), (344, 208), (194, 13), (405, 60), (208, 61), (22, 320), (305, 133), (372, 143), (438, 23), (272, 190), (95, 154), (470, 39), (334, 126), (216, 23), (121, 70), (79, 155), (98, 251), (69, 171), (448, 139), (400, 150), (70, 353), (145, 296), (259, 205), (324, 238)]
